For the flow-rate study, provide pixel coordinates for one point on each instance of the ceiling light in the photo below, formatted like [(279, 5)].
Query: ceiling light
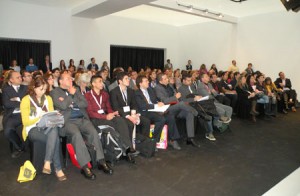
[(190, 8)]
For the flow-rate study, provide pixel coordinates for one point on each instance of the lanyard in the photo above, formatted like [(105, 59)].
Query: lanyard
[(99, 104)]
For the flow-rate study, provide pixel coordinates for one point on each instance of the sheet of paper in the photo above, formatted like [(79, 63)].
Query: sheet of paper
[(159, 109), (203, 98)]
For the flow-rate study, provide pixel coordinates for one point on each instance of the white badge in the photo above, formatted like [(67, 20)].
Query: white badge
[(101, 111), (126, 109)]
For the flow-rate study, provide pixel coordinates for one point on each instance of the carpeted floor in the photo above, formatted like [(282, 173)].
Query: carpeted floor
[(249, 160)]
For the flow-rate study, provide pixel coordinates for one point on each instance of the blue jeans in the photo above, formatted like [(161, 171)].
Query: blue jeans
[(264, 99), (52, 142)]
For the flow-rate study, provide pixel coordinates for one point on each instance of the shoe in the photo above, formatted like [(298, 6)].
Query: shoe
[(294, 109), (88, 174), (210, 137), (225, 119), (175, 145), (61, 178), (46, 171), (193, 143), (135, 153), (130, 158), (17, 154), (284, 111), (156, 149), (254, 113), (106, 169)]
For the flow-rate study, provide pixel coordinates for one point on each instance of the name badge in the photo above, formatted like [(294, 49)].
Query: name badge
[(101, 111), (126, 109)]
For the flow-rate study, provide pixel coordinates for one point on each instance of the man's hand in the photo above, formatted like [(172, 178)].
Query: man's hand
[(132, 119), (196, 98), (178, 95), (116, 113), (15, 99), (160, 104), (281, 84), (110, 116)]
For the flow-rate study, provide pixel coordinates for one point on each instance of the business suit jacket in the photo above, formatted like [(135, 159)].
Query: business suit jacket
[(44, 67), (9, 92), (117, 101), (184, 90), (163, 94), (64, 106), (142, 102), (202, 91), (288, 83)]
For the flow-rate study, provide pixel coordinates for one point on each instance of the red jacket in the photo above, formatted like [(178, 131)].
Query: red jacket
[(93, 107)]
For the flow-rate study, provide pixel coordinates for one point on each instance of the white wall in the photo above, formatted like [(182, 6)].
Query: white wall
[(208, 43), (272, 43), (80, 38)]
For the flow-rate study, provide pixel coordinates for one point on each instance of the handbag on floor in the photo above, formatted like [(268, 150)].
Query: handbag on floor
[(27, 172)]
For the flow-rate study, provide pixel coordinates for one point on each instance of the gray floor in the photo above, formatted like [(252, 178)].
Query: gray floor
[(247, 161)]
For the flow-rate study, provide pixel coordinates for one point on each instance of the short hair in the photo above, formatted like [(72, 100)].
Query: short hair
[(139, 80), (223, 73), (121, 75), (280, 73), (92, 58), (159, 76), (236, 73), (55, 69), (185, 76), (23, 72), (95, 77)]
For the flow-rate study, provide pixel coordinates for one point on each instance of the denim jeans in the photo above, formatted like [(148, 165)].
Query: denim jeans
[(52, 142)]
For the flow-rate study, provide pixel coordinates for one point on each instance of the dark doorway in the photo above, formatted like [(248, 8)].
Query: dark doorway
[(136, 57), (22, 50)]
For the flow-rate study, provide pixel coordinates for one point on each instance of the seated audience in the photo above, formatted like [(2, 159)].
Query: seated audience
[(101, 113), (189, 66), (188, 89), (81, 65), (224, 111), (214, 68), (285, 84), (233, 67), (83, 82), (249, 69), (246, 104), (33, 106), (93, 66), (31, 67), (228, 90), (72, 104), (132, 83), (276, 94), (14, 66), (215, 90), (27, 77), (152, 79), (177, 78), (62, 65), (12, 93), (123, 100), (146, 99), (46, 65), (167, 95), (55, 74), (262, 95), (48, 77)]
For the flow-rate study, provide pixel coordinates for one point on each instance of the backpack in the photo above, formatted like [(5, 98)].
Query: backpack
[(111, 143), (145, 145)]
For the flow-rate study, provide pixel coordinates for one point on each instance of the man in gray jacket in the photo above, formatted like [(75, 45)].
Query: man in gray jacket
[(205, 89), (72, 105), (166, 94)]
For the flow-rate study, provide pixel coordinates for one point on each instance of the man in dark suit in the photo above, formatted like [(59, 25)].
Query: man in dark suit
[(146, 99), (123, 100), (12, 94), (47, 65), (286, 85), (72, 104), (167, 95)]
